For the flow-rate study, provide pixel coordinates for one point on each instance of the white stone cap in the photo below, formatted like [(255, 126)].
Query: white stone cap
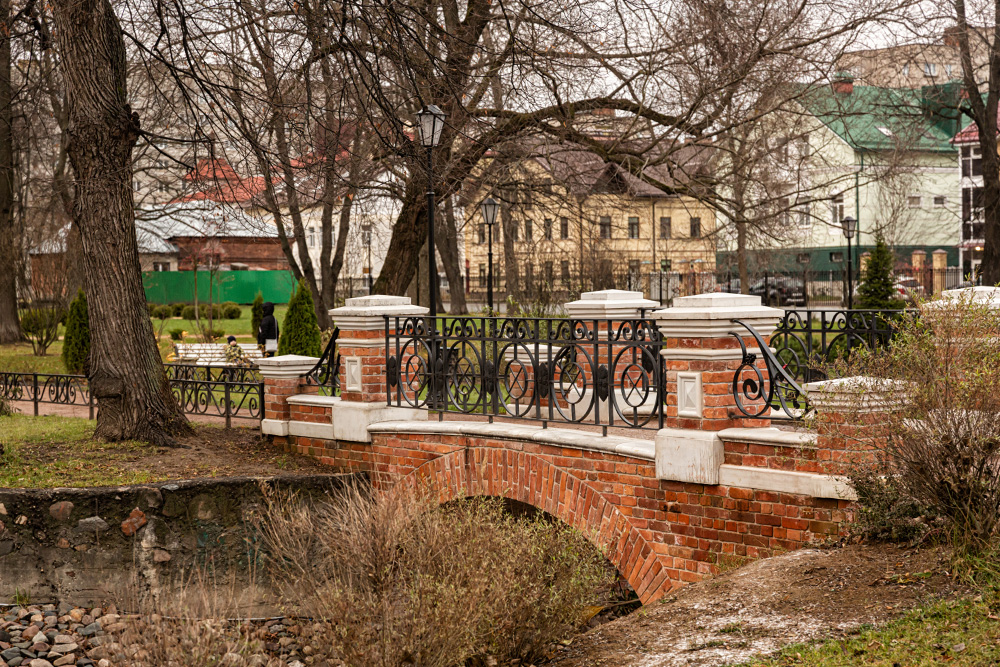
[(711, 316), (367, 313), (286, 366), (860, 393), (609, 304), (979, 295)]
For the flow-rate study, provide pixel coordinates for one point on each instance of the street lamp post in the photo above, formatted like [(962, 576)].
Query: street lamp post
[(850, 225), (490, 209), (366, 237), (430, 121)]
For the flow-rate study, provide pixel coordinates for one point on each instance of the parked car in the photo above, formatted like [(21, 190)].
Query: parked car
[(780, 291), (908, 289)]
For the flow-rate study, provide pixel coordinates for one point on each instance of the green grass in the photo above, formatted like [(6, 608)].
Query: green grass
[(962, 633), (240, 327), (41, 452)]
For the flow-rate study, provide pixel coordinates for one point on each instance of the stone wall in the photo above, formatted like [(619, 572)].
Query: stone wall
[(83, 545)]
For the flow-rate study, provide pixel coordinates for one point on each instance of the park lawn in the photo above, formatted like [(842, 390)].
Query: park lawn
[(239, 327), (959, 633), (18, 358), (40, 452)]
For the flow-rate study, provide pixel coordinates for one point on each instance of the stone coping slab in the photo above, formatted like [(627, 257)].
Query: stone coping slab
[(633, 447), (770, 436)]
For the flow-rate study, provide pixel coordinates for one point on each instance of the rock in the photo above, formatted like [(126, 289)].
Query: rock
[(64, 648), (90, 630), (61, 511), (15, 662), (10, 654), (3, 509), (68, 659), (39, 662), (104, 662), (62, 543), (76, 615), (64, 608), (63, 639), (93, 524), (135, 521), (152, 497), (21, 520), (161, 556)]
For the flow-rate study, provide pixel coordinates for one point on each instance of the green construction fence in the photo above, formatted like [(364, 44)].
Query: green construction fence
[(239, 286)]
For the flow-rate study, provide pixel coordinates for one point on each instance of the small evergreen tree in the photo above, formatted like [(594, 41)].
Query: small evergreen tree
[(76, 341), (256, 314), (300, 331), (877, 290)]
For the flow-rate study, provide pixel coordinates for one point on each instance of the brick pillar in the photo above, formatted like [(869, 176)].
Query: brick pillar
[(701, 359), (283, 378), (939, 260), (845, 408)]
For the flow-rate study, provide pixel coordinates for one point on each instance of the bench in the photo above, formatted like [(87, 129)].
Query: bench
[(212, 354)]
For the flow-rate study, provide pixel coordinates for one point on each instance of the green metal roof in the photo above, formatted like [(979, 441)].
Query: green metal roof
[(875, 119)]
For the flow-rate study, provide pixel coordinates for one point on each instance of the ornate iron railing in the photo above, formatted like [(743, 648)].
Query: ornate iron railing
[(599, 372), (805, 340), (199, 390), (46, 388), (759, 396), (326, 372)]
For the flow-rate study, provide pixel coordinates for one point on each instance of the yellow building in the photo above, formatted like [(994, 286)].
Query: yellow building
[(570, 223)]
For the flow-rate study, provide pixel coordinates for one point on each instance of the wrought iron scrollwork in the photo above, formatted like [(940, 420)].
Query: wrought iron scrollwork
[(326, 372), (760, 392)]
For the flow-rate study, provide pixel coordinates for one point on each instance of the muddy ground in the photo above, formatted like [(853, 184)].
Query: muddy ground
[(795, 597)]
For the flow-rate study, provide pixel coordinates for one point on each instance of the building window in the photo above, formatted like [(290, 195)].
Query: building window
[(972, 204), (605, 225), (802, 217), (633, 268), (482, 275), (162, 187), (548, 273), (940, 201), (930, 69), (527, 230), (547, 227), (972, 161), (664, 265), (564, 228), (312, 237), (161, 266), (837, 257), (529, 276), (564, 272), (633, 227), (695, 228), (482, 233), (906, 70), (913, 201), (664, 228), (837, 211), (947, 71)]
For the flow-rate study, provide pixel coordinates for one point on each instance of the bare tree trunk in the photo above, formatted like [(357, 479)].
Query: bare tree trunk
[(408, 236), (126, 374), (510, 267), (10, 247), (447, 243), (741, 256)]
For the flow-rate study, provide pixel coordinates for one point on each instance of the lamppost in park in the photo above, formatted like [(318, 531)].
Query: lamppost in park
[(430, 121), (490, 209), (366, 238), (850, 225)]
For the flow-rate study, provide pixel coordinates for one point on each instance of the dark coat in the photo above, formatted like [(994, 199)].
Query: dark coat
[(268, 325)]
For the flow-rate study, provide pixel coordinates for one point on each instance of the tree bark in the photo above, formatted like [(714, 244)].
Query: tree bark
[(126, 374), (409, 234), (10, 247), (447, 243)]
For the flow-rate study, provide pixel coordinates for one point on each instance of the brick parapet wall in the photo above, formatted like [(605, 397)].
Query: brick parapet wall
[(278, 390)]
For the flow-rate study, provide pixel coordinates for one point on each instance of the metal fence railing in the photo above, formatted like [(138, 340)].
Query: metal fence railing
[(599, 372)]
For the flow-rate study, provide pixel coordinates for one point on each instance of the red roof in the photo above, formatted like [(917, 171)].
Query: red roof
[(970, 134), (217, 181)]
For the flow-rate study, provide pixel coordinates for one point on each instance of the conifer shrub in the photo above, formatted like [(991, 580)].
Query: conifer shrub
[(877, 290), (300, 331), (256, 313), (76, 341), (189, 313)]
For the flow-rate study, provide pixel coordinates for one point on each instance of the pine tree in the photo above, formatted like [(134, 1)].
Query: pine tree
[(76, 341), (256, 313), (300, 331), (877, 290)]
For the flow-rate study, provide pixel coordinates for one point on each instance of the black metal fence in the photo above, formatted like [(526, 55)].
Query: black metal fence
[(598, 372), (219, 391)]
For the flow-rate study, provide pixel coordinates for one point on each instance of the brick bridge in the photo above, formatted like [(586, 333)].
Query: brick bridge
[(666, 506)]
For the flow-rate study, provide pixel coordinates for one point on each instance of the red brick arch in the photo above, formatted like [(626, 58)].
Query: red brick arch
[(525, 477)]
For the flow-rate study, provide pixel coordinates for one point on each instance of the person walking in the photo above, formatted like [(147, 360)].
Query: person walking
[(267, 335)]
